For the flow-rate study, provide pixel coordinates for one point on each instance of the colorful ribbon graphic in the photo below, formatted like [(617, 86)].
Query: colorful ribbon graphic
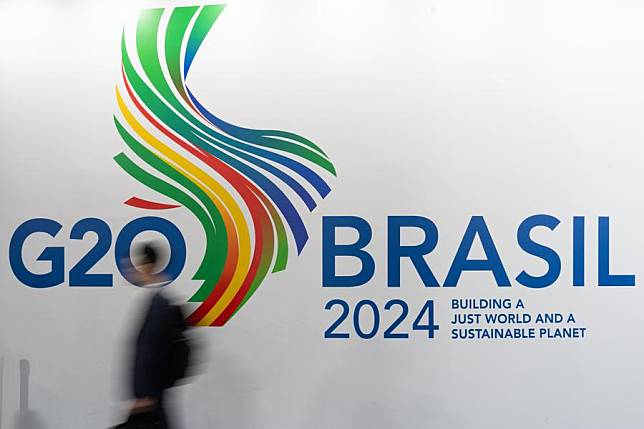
[(232, 179)]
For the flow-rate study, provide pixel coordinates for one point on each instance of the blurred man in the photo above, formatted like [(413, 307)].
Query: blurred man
[(160, 347)]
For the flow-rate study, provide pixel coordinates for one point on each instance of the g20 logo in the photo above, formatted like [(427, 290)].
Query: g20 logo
[(79, 274), (248, 188)]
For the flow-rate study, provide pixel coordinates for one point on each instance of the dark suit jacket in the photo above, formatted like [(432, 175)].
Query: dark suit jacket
[(152, 348)]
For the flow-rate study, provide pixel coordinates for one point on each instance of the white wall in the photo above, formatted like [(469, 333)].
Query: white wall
[(444, 109)]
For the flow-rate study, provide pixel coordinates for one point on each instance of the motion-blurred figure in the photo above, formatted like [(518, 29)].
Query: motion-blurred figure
[(161, 349)]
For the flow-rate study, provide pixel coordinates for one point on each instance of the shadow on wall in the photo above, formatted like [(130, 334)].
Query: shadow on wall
[(25, 418)]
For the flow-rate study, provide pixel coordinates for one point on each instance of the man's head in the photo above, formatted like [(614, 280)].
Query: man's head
[(148, 259), (145, 269)]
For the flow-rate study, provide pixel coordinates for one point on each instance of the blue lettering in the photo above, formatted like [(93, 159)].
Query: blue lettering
[(396, 251), (547, 254), (331, 250), (492, 262)]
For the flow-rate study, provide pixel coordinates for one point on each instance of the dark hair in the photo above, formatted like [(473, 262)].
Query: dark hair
[(149, 254)]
